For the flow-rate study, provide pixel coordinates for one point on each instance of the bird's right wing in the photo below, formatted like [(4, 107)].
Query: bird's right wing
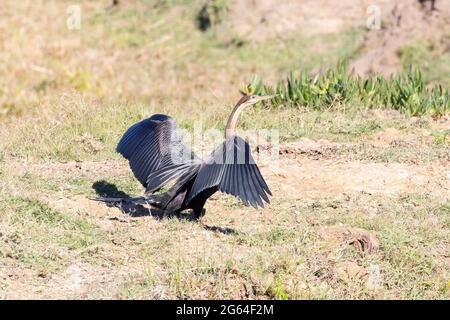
[(233, 170), (155, 152)]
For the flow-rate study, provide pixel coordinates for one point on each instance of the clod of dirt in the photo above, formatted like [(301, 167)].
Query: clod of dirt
[(442, 124), (307, 146), (303, 146), (348, 270), (361, 239), (389, 136), (387, 114)]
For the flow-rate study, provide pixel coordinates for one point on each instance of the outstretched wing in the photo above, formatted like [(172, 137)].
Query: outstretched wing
[(232, 170), (155, 151)]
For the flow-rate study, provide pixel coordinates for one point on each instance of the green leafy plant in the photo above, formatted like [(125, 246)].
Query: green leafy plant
[(337, 87), (441, 138), (277, 290), (253, 86)]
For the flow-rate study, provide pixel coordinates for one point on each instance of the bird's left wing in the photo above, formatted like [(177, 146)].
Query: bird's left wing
[(232, 170)]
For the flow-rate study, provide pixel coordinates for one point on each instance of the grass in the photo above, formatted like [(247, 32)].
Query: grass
[(65, 94), (401, 266), (93, 136), (65, 101), (179, 259), (211, 13), (337, 89), (427, 55), (48, 231)]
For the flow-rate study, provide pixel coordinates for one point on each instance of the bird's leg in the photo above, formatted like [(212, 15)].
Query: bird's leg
[(167, 200), (198, 214)]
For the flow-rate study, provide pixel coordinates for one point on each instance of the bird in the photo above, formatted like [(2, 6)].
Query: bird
[(157, 156)]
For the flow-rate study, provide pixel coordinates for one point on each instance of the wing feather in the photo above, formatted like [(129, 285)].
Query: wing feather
[(238, 175), (152, 145), (253, 189), (260, 190)]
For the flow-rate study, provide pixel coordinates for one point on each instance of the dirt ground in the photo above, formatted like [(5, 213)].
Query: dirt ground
[(360, 206), (306, 176), (401, 22)]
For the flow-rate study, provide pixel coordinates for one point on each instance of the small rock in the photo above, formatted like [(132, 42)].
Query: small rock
[(362, 239), (375, 278)]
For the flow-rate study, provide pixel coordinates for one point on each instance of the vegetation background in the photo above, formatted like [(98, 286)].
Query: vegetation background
[(361, 194)]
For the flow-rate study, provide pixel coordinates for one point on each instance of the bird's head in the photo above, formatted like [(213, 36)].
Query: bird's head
[(248, 100), (245, 101)]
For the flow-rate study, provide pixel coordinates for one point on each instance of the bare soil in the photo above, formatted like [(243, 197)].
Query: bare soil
[(402, 22), (297, 177)]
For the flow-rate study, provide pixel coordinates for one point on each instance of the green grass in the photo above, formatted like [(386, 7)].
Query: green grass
[(181, 259), (433, 60), (280, 267), (277, 291), (36, 235), (86, 134), (273, 236), (78, 234), (66, 104)]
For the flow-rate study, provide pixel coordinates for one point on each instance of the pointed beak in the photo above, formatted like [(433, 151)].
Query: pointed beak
[(261, 98)]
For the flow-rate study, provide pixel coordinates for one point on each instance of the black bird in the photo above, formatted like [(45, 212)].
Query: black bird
[(157, 156)]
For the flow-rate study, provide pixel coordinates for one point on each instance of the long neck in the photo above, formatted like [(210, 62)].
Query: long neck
[(230, 129)]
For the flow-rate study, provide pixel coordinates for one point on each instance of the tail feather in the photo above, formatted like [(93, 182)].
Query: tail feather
[(138, 200)]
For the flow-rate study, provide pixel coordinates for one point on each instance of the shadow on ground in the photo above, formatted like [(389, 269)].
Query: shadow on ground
[(223, 230), (105, 189), (108, 190)]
